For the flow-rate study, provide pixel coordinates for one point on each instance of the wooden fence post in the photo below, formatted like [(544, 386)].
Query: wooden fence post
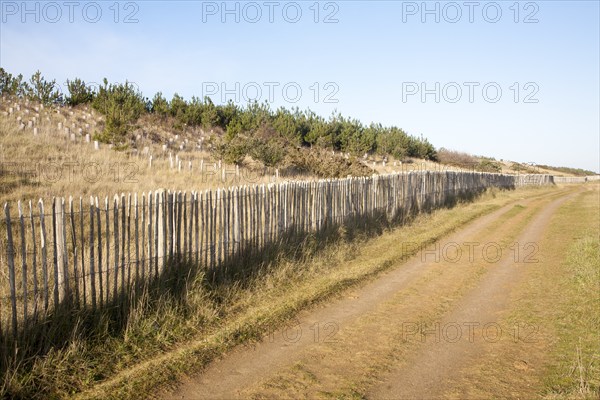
[(23, 264), (82, 237), (76, 250), (92, 260), (123, 242), (94, 204), (196, 229), (165, 229), (44, 251), (184, 215), (116, 237), (11, 270), (108, 268), (66, 293), (159, 237), (137, 241), (220, 231), (143, 253), (128, 240), (34, 264), (57, 249)]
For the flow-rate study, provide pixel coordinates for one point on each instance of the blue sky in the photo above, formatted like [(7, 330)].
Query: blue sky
[(512, 80)]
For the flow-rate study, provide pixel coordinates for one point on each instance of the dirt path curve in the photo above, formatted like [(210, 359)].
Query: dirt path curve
[(247, 367)]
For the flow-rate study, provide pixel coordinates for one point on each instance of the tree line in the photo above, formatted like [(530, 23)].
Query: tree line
[(255, 130)]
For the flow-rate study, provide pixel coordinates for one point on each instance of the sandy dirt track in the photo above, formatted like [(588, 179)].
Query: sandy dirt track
[(407, 334)]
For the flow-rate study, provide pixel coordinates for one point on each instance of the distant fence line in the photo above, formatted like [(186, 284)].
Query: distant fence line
[(91, 254), (534, 179), (576, 179)]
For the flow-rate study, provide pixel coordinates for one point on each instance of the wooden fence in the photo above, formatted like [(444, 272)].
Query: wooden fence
[(575, 179), (533, 179), (91, 254)]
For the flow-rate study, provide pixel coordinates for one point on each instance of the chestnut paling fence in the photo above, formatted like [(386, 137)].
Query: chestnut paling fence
[(575, 179), (69, 256)]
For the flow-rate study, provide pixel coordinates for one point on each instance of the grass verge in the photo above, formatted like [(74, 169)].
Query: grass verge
[(574, 370)]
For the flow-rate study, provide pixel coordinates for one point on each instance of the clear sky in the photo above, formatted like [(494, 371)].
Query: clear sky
[(512, 80)]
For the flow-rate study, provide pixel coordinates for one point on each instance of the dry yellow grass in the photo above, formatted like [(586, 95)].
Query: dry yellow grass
[(51, 164)]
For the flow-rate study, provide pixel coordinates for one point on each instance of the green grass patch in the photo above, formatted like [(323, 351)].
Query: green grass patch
[(575, 371)]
